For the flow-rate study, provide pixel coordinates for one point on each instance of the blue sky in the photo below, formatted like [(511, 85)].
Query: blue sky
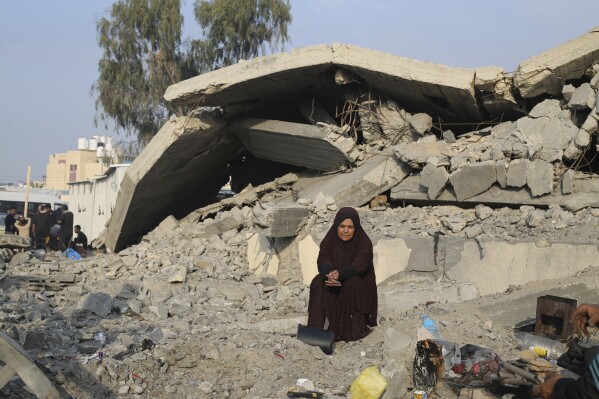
[(49, 54)]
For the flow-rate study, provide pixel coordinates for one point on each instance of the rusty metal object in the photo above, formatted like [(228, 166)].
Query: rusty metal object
[(553, 316)]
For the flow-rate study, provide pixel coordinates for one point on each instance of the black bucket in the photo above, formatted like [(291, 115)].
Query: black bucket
[(316, 337)]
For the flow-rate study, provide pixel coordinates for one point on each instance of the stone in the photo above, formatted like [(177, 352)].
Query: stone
[(99, 303), (421, 123), (281, 220), (434, 179), (175, 274), (516, 172), (545, 108), (395, 342), (123, 390), (473, 231), (591, 125), (34, 340), (501, 171), (568, 182), (582, 98), (583, 139), (482, 211), (449, 137), (539, 178), (535, 218), (473, 179), (567, 92)]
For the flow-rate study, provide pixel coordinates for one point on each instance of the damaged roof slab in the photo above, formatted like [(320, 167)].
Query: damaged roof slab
[(441, 90), (292, 143), (547, 72), (181, 169)]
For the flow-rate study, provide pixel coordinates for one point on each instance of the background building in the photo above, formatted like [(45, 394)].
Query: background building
[(92, 158)]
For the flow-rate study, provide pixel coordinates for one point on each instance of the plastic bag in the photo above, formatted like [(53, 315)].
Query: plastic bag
[(370, 384), (72, 254)]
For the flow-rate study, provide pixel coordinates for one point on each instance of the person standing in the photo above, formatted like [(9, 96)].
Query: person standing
[(66, 228), (42, 222), (9, 221)]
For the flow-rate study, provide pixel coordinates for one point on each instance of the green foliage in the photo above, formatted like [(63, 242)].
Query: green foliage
[(143, 53), (142, 56), (239, 29)]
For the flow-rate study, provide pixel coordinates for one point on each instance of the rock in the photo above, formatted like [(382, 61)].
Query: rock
[(482, 211), (434, 179), (591, 124), (545, 108), (535, 218), (89, 347), (516, 172), (583, 139), (583, 97), (501, 171), (568, 182), (123, 390), (34, 340), (175, 274), (473, 179), (421, 123), (567, 92), (449, 137), (539, 178), (395, 343), (473, 231), (99, 303)]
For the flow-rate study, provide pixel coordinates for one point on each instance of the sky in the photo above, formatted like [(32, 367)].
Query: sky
[(49, 54)]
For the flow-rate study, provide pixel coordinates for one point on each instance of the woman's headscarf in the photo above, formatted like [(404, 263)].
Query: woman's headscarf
[(340, 254)]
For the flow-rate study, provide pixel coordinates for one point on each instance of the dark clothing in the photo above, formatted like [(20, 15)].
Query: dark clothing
[(586, 387), (9, 224), (43, 223), (351, 307), (81, 240), (66, 230)]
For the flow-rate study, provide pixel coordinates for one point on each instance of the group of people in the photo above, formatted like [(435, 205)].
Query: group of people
[(49, 229)]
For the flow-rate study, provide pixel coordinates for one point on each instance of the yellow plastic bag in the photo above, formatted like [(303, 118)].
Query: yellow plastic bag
[(370, 384)]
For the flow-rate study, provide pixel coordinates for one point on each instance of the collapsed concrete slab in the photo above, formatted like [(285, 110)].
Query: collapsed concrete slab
[(473, 179), (182, 168), (439, 90), (293, 143), (356, 188), (281, 220), (547, 72)]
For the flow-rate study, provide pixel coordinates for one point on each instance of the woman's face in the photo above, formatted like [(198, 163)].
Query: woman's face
[(346, 230)]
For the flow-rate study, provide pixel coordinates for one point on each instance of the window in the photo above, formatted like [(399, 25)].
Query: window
[(72, 173)]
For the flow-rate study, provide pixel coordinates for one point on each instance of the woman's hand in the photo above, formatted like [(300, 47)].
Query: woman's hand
[(545, 390), (333, 279)]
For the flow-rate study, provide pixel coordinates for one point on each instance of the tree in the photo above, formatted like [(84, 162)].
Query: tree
[(143, 53), (142, 56), (239, 29)]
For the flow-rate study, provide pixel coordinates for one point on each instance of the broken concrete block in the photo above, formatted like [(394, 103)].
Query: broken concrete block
[(449, 137), (218, 227), (175, 274), (434, 179), (473, 179), (516, 172), (417, 154), (582, 98), (482, 211), (567, 92), (501, 170), (281, 220), (535, 218), (568, 182), (98, 303), (375, 176), (539, 177), (583, 139), (590, 124), (545, 108), (421, 123), (169, 224), (473, 231)]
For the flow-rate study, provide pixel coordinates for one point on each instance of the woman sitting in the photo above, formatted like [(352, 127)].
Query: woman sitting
[(344, 292)]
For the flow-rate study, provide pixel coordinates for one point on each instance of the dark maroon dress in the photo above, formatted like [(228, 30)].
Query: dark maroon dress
[(351, 308)]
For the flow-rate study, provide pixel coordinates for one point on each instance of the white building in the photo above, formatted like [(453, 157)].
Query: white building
[(92, 201)]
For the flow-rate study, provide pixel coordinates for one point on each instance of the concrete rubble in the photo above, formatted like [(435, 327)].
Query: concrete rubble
[(200, 290)]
